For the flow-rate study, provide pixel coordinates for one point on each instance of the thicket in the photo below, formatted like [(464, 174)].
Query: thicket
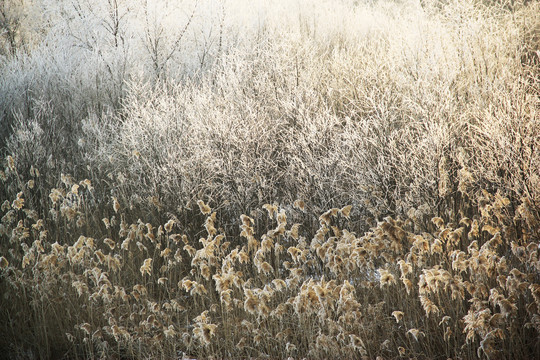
[(233, 180)]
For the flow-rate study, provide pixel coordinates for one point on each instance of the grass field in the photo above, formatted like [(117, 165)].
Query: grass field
[(249, 179)]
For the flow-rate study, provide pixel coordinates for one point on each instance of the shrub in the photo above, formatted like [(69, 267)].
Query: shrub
[(272, 182)]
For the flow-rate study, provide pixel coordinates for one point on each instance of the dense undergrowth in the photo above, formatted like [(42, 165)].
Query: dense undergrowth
[(305, 180)]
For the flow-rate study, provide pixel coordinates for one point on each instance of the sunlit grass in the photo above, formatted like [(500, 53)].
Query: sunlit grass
[(304, 180)]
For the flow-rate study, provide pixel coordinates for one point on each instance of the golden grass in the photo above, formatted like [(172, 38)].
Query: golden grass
[(272, 292)]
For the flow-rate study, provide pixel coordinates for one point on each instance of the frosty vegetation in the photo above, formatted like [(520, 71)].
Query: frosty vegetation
[(256, 179)]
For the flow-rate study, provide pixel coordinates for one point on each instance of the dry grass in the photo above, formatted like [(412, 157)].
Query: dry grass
[(461, 290), (300, 187)]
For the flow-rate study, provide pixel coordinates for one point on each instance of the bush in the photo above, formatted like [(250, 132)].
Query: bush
[(266, 181)]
